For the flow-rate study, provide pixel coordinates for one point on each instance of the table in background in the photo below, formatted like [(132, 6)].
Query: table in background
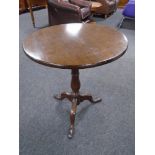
[(95, 6)]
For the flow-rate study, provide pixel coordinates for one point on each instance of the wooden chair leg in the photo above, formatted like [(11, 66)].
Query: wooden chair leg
[(31, 12)]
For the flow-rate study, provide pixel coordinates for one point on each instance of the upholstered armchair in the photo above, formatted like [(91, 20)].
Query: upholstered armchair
[(72, 11), (108, 7)]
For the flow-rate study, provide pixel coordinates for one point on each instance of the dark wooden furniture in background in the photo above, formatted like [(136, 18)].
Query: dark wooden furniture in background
[(30, 5), (22, 6), (107, 8), (69, 46)]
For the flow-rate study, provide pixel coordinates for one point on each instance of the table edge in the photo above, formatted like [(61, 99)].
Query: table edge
[(78, 66)]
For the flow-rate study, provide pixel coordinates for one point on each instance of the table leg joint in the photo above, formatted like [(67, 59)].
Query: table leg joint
[(64, 95), (89, 98)]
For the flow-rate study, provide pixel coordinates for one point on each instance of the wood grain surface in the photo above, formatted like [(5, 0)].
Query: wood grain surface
[(70, 46)]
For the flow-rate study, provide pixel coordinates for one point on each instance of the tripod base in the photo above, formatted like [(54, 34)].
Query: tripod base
[(75, 97)]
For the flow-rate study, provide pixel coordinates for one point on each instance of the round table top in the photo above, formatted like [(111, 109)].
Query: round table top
[(77, 45)]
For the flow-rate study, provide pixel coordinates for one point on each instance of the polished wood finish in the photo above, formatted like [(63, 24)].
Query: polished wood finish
[(76, 98), (75, 46)]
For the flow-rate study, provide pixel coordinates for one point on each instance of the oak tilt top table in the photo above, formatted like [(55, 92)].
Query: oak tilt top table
[(75, 46)]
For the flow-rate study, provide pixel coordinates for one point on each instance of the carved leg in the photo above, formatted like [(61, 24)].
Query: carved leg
[(75, 97), (64, 95), (75, 85), (89, 98), (72, 118)]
